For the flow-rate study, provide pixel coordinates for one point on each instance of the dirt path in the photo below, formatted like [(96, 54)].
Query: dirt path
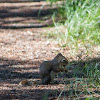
[(22, 49)]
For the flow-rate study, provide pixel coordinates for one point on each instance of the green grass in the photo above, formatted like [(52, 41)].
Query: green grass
[(82, 22), (88, 83), (77, 88)]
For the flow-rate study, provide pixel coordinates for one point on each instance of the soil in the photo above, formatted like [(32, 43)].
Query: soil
[(23, 48)]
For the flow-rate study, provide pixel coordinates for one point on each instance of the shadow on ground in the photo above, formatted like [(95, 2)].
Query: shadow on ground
[(12, 69), (26, 15), (47, 94), (42, 94), (11, 72), (15, 69)]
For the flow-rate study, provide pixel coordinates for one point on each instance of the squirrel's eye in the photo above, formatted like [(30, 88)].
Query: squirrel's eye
[(63, 60)]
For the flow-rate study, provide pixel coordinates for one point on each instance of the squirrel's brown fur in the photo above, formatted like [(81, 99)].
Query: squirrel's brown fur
[(58, 64)]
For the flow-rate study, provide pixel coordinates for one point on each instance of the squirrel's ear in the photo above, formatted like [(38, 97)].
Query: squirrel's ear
[(59, 54)]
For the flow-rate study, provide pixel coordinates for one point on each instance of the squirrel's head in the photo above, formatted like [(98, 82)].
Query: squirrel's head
[(61, 59)]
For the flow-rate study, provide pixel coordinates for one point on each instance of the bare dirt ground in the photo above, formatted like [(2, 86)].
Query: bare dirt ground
[(23, 49)]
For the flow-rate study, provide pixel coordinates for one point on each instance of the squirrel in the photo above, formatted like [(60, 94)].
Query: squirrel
[(47, 68)]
